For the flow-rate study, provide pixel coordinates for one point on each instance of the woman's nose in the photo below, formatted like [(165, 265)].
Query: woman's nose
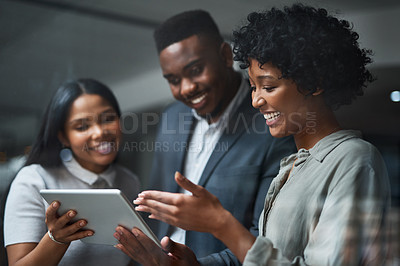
[(257, 100), (97, 131)]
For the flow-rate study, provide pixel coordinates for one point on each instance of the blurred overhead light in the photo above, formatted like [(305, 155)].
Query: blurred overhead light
[(395, 96)]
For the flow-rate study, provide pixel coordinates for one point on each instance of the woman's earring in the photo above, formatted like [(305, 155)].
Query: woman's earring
[(66, 155)]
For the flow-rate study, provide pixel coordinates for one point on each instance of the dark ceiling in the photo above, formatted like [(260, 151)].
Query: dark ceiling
[(43, 43)]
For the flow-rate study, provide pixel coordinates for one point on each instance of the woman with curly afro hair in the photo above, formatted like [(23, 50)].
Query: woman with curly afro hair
[(329, 201)]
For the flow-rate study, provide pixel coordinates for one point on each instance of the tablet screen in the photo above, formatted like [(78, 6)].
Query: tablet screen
[(103, 209)]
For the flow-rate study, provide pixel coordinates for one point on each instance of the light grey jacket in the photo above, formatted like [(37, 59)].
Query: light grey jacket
[(331, 211)]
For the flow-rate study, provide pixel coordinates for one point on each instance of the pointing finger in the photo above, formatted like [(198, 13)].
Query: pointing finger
[(186, 184)]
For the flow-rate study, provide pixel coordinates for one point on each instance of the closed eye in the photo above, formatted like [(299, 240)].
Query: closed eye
[(108, 117), (83, 127), (269, 89), (173, 80), (196, 70)]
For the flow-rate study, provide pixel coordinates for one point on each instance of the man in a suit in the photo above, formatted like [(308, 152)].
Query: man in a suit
[(221, 141), (212, 134)]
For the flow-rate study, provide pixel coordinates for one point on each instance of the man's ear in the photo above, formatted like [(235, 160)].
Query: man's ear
[(61, 137), (318, 92), (226, 54)]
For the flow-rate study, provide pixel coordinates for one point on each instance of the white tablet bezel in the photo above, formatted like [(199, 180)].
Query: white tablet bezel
[(103, 209)]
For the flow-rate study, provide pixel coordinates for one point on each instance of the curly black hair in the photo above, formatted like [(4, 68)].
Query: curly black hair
[(314, 49)]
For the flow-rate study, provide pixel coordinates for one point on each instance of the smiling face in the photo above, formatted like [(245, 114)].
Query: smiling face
[(92, 131), (283, 106), (197, 72)]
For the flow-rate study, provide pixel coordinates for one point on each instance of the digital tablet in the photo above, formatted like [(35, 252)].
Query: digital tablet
[(103, 209)]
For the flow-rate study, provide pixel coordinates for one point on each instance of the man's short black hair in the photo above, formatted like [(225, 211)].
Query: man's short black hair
[(184, 25)]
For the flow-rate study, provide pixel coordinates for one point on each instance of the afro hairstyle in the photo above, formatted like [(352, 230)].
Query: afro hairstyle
[(314, 49)]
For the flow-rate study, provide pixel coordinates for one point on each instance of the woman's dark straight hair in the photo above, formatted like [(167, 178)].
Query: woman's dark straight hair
[(46, 149)]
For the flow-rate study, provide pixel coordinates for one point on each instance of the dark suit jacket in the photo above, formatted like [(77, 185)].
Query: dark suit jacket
[(238, 172)]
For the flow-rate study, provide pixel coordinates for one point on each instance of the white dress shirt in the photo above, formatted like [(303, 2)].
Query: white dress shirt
[(202, 143)]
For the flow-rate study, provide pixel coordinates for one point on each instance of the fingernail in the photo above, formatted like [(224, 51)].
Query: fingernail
[(120, 232), (116, 235), (82, 223), (179, 176), (71, 214), (90, 234), (141, 195), (137, 201), (135, 232), (55, 204)]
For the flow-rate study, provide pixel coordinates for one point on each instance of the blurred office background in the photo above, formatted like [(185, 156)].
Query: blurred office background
[(45, 42)]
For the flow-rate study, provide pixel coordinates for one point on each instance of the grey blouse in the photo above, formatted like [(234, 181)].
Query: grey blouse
[(25, 209), (331, 211)]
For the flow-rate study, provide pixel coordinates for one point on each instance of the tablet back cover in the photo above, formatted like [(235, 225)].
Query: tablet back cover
[(104, 210)]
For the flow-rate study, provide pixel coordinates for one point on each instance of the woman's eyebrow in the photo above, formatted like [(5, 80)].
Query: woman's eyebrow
[(90, 117), (109, 110), (269, 77), (78, 120)]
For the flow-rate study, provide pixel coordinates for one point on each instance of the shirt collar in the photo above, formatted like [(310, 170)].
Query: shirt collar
[(330, 142), (320, 150), (87, 176), (233, 105)]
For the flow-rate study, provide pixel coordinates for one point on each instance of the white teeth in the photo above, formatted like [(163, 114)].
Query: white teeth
[(104, 148), (199, 99), (272, 116)]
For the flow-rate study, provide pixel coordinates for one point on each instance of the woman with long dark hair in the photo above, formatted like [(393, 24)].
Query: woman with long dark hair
[(76, 148)]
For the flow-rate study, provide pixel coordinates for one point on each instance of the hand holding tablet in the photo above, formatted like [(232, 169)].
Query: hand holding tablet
[(103, 209)]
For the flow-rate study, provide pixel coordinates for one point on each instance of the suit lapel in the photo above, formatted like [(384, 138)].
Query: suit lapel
[(182, 139), (238, 123), (179, 152)]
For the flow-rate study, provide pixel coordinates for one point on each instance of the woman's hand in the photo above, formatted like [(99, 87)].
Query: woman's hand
[(61, 228), (49, 251), (142, 249), (200, 211)]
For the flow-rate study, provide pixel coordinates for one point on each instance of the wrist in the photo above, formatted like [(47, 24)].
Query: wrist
[(234, 235), (223, 224), (56, 241)]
